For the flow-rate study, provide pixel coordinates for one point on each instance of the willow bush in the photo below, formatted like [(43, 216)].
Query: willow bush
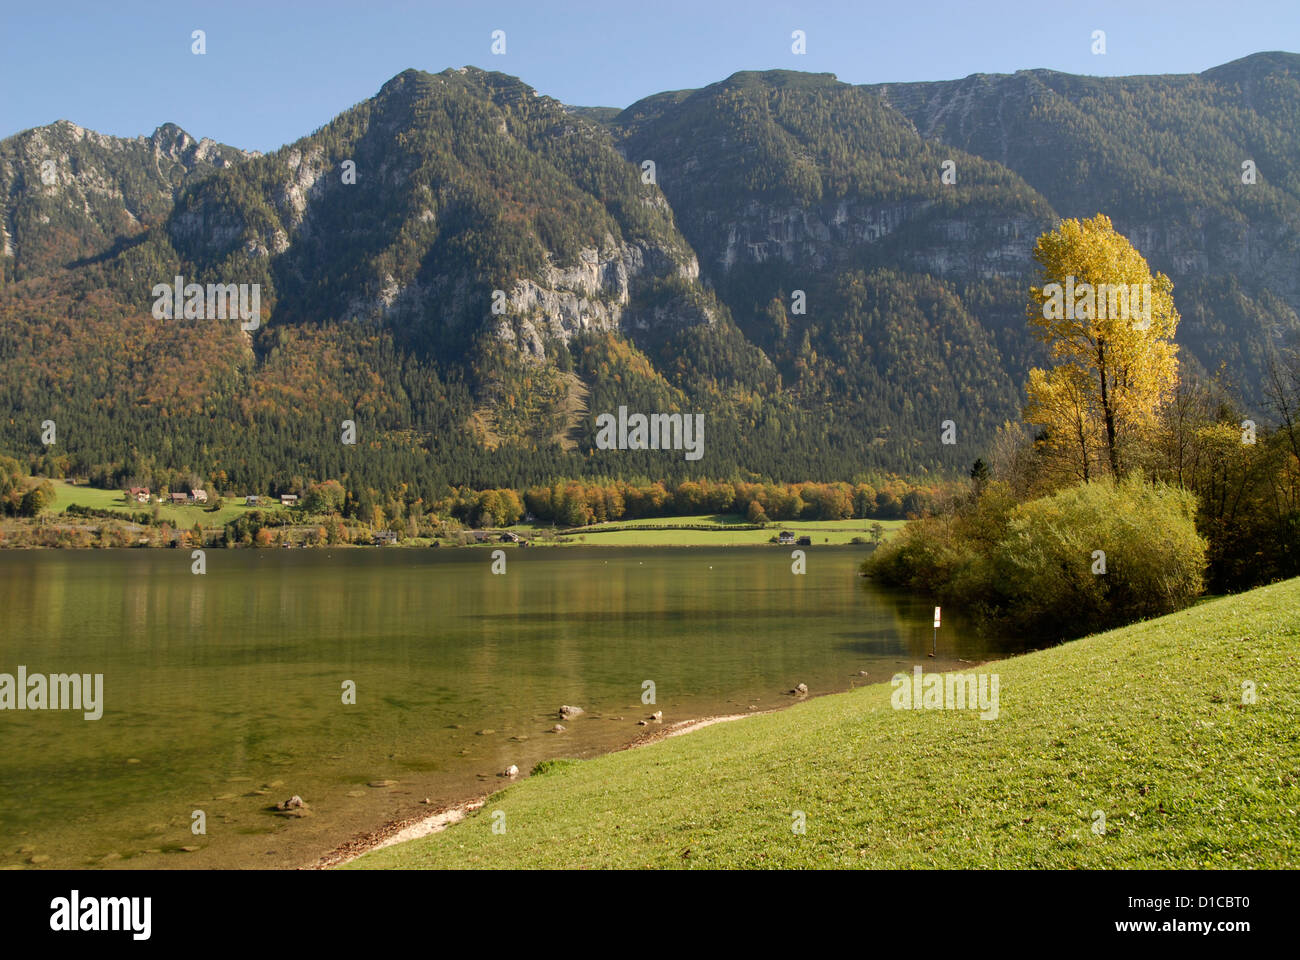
[(1086, 558)]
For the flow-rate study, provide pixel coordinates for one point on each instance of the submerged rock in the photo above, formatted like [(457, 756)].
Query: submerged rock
[(567, 711), (295, 806)]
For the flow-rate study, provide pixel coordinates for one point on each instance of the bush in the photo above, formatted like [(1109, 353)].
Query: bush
[(1050, 568), (1029, 567)]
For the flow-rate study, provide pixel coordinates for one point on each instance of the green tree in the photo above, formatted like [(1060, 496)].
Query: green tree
[(37, 499)]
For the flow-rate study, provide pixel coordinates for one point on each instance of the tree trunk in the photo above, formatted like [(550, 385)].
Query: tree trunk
[(1107, 412)]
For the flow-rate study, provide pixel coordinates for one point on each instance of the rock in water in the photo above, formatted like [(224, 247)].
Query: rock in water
[(567, 711), (510, 771), (558, 728), (801, 690), (295, 806)]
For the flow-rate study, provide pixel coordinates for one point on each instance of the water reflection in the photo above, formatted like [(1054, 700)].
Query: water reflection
[(223, 685)]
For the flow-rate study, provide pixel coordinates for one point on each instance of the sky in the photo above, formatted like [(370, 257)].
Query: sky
[(275, 70)]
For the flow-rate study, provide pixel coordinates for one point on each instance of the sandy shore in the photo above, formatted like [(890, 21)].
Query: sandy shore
[(437, 820)]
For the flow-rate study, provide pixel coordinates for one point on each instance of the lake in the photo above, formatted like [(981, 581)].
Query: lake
[(223, 692)]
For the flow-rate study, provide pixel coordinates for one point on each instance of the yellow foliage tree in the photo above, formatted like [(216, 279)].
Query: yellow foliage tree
[(1109, 324), (1061, 400)]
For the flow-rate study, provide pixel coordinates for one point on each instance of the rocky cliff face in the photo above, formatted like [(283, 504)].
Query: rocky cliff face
[(830, 236), (593, 294)]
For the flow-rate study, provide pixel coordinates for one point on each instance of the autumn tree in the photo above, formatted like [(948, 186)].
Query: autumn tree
[(12, 485), (1109, 324)]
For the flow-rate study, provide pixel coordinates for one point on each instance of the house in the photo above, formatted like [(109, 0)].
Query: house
[(199, 496), (289, 499), (252, 501), (785, 537), (141, 494), (382, 537), (805, 541), (180, 498), (509, 537)]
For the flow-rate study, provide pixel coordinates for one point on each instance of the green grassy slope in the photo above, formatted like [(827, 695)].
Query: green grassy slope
[(1145, 723)]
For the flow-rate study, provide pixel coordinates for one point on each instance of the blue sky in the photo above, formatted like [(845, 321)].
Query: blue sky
[(277, 69)]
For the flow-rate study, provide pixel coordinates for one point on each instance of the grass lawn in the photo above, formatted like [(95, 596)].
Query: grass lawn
[(1145, 723), (186, 516), (651, 532)]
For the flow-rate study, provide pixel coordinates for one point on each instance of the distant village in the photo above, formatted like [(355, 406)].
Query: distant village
[(180, 498)]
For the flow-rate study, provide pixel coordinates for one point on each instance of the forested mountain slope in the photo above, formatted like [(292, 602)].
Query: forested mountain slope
[(471, 271)]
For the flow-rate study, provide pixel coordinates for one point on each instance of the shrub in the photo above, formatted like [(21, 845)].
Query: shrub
[(1030, 567), (1049, 569)]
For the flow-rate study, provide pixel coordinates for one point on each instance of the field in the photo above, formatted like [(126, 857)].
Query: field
[(658, 532), (185, 516), (655, 532), (1169, 743)]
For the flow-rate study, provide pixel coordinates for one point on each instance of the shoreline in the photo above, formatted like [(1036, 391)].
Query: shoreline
[(412, 547), (102, 519), (450, 812)]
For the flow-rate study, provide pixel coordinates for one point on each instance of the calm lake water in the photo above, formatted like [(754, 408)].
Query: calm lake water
[(223, 692)]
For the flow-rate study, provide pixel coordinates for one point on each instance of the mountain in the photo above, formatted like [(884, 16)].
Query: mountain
[(471, 271), (1163, 155), (68, 194)]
